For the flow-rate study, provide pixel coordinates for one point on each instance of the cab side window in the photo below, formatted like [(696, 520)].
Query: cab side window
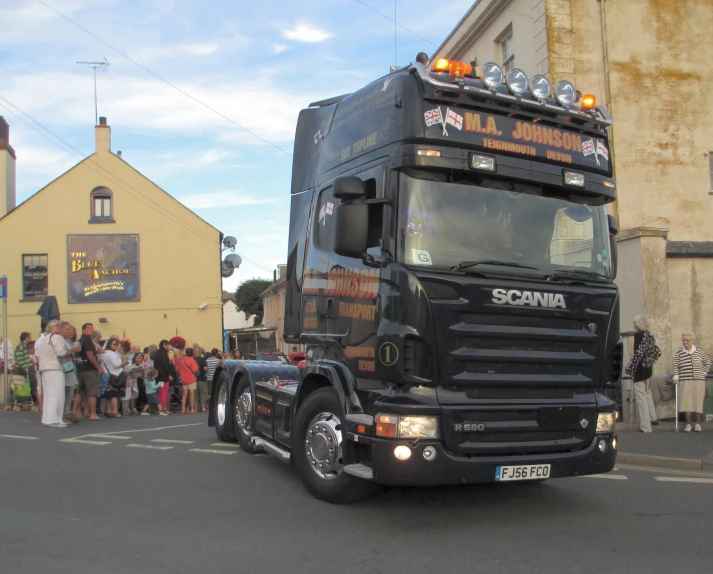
[(376, 219)]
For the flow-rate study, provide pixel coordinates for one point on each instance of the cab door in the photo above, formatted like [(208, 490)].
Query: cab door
[(352, 309), (314, 312)]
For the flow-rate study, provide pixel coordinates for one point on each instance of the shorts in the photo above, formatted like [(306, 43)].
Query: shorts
[(191, 387), (204, 390), (88, 383), (154, 401)]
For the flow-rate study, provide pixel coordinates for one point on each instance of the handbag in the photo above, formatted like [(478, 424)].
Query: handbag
[(67, 362), (117, 382)]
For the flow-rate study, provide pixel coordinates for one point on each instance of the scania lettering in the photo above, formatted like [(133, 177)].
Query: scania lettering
[(450, 274), (514, 297)]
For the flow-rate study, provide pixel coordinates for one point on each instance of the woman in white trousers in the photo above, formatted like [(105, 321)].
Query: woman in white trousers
[(48, 350)]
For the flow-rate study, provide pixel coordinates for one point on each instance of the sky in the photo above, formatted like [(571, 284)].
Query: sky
[(251, 65)]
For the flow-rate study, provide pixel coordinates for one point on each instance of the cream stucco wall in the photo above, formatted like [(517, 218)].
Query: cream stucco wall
[(179, 255), (234, 319), (476, 38)]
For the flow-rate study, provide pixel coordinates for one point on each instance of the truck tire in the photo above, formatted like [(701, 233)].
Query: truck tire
[(244, 415), (223, 414), (316, 450)]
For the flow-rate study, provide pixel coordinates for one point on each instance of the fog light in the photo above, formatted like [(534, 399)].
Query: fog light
[(429, 453), (402, 452), (602, 445), (613, 443), (482, 162)]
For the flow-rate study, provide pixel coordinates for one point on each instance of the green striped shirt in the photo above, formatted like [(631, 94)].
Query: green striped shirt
[(22, 356)]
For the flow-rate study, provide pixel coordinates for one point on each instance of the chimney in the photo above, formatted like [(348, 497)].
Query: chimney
[(103, 136), (7, 170)]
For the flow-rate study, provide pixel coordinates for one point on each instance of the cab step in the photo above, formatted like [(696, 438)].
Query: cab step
[(360, 471), (270, 448)]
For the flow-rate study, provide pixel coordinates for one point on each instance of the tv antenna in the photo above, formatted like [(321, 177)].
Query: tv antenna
[(103, 66)]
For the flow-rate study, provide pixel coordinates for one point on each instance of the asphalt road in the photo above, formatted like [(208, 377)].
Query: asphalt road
[(160, 496)]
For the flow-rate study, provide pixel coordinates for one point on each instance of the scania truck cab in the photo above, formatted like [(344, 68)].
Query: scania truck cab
[(451, 272)]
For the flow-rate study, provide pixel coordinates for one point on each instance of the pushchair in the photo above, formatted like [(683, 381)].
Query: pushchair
[(21, 395)]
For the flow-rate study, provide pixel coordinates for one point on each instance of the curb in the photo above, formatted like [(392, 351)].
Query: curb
[(664, 461)]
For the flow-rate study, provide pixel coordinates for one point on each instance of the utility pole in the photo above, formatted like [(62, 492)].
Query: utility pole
[(103, 66)]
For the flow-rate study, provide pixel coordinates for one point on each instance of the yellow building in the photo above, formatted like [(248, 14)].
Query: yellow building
[(115, 250), (648, 62)]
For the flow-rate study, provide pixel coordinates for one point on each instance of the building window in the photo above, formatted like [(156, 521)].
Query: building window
[(507, 52), (34, 276), (101, 206)]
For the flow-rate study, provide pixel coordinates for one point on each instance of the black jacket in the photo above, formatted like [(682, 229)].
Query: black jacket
[(642, 373), (162, 364)]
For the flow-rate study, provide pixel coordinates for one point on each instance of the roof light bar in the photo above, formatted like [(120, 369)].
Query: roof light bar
[(492, 75), (517, 81)]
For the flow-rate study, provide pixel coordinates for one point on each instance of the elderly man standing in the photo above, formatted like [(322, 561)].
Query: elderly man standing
[(51, 349)]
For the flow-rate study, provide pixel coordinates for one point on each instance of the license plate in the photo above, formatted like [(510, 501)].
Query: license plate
[(522, 472)]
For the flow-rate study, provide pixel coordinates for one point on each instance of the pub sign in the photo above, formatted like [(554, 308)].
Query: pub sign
[(103, 268)]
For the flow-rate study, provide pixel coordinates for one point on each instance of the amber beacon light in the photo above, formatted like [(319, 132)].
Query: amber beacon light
[(453, 68), (588, 102)]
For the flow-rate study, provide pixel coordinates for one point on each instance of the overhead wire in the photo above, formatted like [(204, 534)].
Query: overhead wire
[(394, 22), (164, 80), (63, 144)]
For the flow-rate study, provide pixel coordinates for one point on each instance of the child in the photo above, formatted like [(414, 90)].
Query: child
[(151, 394), (133, 371)]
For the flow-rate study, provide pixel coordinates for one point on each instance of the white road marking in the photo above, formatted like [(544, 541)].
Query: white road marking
[(212, 451), (172, 441), (151, 446), (225, 444), (683, 479), (114, 433), (111, 436), (609, 476), (22, 437), (81, 441), (668, 471)]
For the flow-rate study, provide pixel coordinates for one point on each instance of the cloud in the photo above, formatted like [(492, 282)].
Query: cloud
[(302, 32), (151, 54), (279, 48), (220, 199), (214, 156)]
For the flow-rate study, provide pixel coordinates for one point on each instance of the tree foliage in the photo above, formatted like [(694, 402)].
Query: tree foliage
[(247, 297)]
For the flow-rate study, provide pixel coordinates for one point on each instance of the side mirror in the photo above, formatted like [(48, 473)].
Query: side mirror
[(613, 225), (348, 188), (351, 227)]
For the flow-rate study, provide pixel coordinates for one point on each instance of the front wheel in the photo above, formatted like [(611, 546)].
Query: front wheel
[(317, 450), (223, 415)]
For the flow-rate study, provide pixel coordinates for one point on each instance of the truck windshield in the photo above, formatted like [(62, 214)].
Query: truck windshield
[(442, 224)]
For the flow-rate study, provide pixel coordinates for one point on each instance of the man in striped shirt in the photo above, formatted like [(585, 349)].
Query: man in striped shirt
[(212, 362), (21, 357)]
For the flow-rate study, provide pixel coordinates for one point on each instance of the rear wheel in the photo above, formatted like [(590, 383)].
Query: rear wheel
[(317, 450), (223, 414), (243, 412)]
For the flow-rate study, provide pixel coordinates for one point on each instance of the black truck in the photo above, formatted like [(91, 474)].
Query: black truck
[(451, 272)]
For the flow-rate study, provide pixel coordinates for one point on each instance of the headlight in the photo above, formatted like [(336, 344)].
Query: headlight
[(492, 75), (565, 93), (418, 427), (606, 422), (540, 87), (517, 81), (393, 426)]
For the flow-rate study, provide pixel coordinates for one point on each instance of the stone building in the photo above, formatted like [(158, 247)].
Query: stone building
[(648, 62)]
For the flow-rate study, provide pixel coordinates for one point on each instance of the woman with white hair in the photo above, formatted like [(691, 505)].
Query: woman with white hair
[(690, 367), (640, 367), (51, 348)]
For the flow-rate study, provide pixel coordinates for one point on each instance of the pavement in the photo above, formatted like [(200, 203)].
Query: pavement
[(665, 448), (150, 494)]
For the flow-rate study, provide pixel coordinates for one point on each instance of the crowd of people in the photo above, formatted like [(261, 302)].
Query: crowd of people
[(74, 376)]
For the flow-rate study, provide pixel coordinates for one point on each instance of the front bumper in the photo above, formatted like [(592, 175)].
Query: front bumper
[(449, 469)]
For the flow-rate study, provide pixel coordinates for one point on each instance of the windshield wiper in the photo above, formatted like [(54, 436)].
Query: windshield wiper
[(569, 273), (463, 265)]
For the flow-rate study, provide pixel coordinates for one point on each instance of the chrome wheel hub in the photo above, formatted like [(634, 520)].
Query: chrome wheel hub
[(244, 410), (221, 402), (323, 445)]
